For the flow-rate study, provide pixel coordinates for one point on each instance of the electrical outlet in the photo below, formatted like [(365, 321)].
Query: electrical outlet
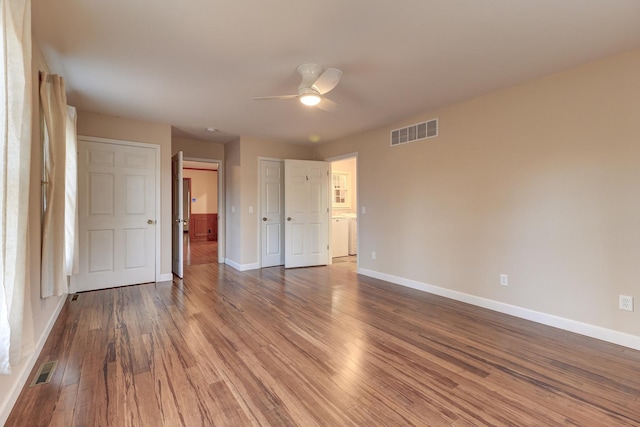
[(626, 303), (504, 280), (373, 254)]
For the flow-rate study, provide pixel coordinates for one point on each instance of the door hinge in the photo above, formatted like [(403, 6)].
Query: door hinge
[(327, 247)]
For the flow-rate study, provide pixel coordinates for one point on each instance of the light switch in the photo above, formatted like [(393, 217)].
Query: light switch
[(364, 209), (250, 209)]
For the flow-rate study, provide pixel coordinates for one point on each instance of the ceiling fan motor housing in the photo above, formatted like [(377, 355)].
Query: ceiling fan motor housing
[(307, 91), (309, 73)]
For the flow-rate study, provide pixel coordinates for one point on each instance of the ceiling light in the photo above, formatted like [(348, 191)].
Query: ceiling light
[(212, 129), (310, 99), (309, 96)]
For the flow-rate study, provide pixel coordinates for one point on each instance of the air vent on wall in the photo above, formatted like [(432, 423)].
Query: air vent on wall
[(424, 130)]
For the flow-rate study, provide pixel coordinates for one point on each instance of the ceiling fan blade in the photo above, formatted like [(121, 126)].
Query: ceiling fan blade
[(329, 105), (327, 80), (262, 98)]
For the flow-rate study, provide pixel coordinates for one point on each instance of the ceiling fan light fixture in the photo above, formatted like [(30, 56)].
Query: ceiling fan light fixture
[(316, 82), (310, 99)]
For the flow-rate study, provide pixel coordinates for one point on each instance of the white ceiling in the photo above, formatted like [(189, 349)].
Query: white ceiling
[(198, 63)]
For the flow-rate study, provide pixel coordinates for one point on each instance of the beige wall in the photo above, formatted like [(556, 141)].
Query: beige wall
[(242, 194), (193, 149), (103, 126), (539, 181), (204, 188), (233, 196)]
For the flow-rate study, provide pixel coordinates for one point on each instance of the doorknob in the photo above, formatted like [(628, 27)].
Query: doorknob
[(288, 218), (150, 222), (178, 220), (264, 218)]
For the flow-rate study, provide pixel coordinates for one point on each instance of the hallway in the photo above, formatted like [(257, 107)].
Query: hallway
[(199, 251)]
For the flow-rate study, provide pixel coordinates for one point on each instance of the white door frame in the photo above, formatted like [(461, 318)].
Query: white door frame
[(335, 159), (221, 204), (158, 216)]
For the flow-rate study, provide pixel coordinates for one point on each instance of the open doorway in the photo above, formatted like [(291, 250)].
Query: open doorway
[(344, 210), (201, 210)]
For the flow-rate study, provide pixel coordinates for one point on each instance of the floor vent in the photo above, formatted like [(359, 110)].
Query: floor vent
[(74, 298), (44, 373), (424, 130)]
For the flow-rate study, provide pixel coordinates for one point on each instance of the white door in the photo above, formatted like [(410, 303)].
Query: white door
[(116, 215), (177, 216), (272, 212), (306, 186)]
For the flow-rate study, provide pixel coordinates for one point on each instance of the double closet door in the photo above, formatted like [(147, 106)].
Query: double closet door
[(294, 213)]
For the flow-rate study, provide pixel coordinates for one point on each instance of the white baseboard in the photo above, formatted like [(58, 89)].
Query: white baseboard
[(241, 267), (24, 370), (166, 277), (604, 334)]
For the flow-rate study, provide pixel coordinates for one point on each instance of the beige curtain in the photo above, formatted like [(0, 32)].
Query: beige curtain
[(15, 155), (54, 108)]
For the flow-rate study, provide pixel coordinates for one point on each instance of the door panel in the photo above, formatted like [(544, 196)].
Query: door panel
[(101, 250), (116, 221), (134, 248), (272, 217), (101, 193), (134, 186), (274, 242), (307, 213)]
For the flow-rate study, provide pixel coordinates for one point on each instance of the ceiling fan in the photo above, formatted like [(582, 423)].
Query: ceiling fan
[(316, 81)]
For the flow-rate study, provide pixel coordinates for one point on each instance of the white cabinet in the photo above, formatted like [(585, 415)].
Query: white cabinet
[(340, 237), (340, 198)]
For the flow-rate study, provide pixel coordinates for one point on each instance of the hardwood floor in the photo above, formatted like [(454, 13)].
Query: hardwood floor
[(199, 251), (317, 346)]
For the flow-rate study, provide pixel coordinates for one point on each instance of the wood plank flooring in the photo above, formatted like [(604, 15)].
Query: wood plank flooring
[(317, 346), (199, 251)]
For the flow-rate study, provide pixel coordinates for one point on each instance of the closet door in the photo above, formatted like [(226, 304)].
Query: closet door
[(306, 213), (116, 215)]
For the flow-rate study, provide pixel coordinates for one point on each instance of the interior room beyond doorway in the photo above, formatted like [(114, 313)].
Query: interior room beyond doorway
[(344, 210), (200, 207)]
